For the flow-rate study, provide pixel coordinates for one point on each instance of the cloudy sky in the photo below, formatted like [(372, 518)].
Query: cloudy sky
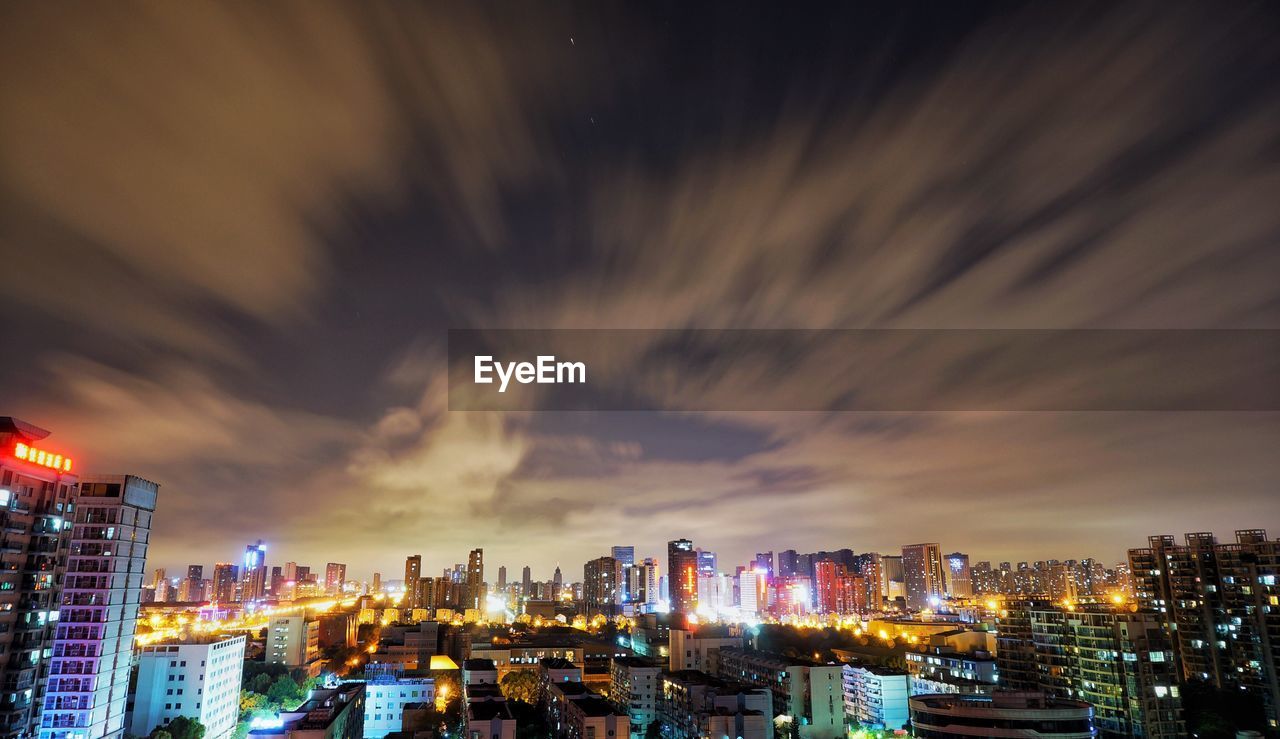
[(234, 237)]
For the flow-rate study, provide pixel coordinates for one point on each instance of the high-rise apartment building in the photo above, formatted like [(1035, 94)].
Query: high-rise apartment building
[(89, 671), (959, 579), (1222, 603), (474, 593), (335, 576), (412, 574), (502, 578), (600, 585), (196, 678), (225, 576), (922, 575), (1119, 661), (526, 582), (682, 573), (625, 555), (764, 561), (253, 586), (37, 490)]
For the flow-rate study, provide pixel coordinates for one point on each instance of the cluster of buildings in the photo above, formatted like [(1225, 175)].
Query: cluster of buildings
[(938, 646), (253, 581)]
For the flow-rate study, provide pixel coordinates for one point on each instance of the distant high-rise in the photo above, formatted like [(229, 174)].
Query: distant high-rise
[(93, 644), (764, 561), (922, 575), (502, 577), (682, 576), (376, 585), (412, 573), (959, 580), (225, 576), (625, 555), (600, 585), (826, 577), (254, 575), (706, 563), (788, 563), (526, 582), (335, 576), (474, 592)]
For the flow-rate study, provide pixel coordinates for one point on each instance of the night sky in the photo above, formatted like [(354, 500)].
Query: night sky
[(234, 235)]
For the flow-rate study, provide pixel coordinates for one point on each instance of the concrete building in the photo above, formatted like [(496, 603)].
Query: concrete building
[(36, 488), (682, 576), (330, 713), (335, 576), (479, 671), (386, 697), (1219, 600), (1001, 714), (198, 679), (876, 697), (490, 719), (634, 686), (923, 578), (692, 705), (695, 650), (88, 680), (810, 694), (1120, 662), (293, 641)]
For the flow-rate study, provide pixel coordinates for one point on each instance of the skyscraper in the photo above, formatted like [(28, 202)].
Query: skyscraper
[(625, 555), (923, 576), (764, 561), (225, 575), (502, 578), (93, 645), (959, 580), (412, 573), (254, 582), (682, 576), (335, 576), (474, 594), (526, 582), (706, 563), (600, 586), (36, 486)]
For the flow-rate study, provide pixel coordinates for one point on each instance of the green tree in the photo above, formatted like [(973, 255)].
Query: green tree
[(520, 685), (654, 730), (182, 728), (285, 692), (159, 733)]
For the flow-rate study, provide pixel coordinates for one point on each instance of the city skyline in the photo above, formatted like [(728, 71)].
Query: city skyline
[(238, 278)]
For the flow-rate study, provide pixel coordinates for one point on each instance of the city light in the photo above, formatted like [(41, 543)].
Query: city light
[(41, 457)]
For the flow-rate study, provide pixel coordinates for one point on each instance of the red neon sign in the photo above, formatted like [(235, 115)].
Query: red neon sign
[(42, 458)]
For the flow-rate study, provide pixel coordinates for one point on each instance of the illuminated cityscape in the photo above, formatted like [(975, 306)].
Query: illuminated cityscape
[(389, 369)]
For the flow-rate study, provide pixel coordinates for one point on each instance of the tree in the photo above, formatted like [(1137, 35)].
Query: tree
[(182, 728), (654, 730), (251, 701), (285, 692), (520, 685)]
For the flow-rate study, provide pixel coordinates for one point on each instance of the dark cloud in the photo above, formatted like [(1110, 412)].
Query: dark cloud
[(238, 233)]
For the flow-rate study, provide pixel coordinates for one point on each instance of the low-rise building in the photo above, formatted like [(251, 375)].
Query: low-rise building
[(876, 697), (294, 641), (490, 719), (696, 650), (691, 702), (386, 697), (330, 713), (808, 693), (197, 678), (1003, 713), (477, 671)]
